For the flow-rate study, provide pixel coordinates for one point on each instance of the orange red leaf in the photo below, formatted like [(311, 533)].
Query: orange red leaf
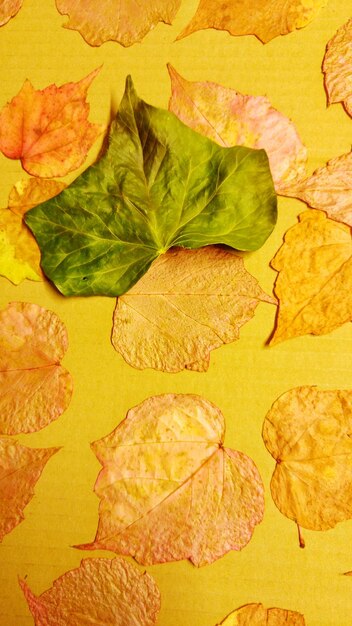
[(34, 387), (314, 285), (230, 119), (258, 615), (108, 592), (49, 129), (206, 294), (337, 67), (8, 9), (20, 469), (308, 432), (264, 18), (124, 21), (169, 490)]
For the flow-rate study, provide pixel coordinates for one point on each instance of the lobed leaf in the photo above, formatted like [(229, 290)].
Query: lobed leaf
[(34, 387), (337, 67), (159, 185), (206, 294), (308, 432), (20, 469), (169, 490), (108, 592)]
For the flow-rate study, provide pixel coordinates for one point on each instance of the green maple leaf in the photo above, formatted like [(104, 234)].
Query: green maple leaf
[(159, 184)]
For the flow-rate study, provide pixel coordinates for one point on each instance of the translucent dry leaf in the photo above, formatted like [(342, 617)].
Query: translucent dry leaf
[(34, 387), (337, 67), (308, 432), (314, 285), (264, 18), (230, 119), (108, 592), (19, 251), (169, 490), (8, 9), (257, 615), (329, 189), (207, 294), (124, 21), (20, 469), (49, 129)]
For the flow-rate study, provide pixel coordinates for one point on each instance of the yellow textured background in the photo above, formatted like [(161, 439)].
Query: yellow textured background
[(244, 378)]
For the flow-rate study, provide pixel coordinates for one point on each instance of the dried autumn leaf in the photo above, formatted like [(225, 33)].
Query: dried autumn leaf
[(264, 18), (230, 118), (169, 490), (337, 67), (20, 469), (19, 251), (308, 432), (49, 129), (159, 185), (124, 21), (34, 388), (206, 294), (8, 9), (257, 615), (108, 592), (329, 189), (314, 285)]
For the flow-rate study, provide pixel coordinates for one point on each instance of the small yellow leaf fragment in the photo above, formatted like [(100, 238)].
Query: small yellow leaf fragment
[(329, 189), (108, 592), (314, 285), (169, 490), (258, 615), (8, 9), (337, 67), (20, 469), (34, 387), (49, 129), (124, 21), (264, 18), (231, 119), (308, 432)]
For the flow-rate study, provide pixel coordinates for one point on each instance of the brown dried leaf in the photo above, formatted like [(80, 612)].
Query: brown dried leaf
[(329, 189), (124, 21), (264, 18), (258, 615), (206, 294), (108, 592), (230, 119), (27, 193), (8, 9), (169, 490), (337, 67), (314, 285), (34, 388), (308, 432), (49, 129), (20, 469)]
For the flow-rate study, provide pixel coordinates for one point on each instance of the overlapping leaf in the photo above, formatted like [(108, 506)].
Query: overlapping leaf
[(206, 294), (169, 490), (20, 469), (108, 592), (49, 129), (34, 388), (124, 21), (264, 18), (230, 119), (329, 189), (159, 185), (258, 615), (308, 432), (8, 9), (19, 252), (314, 285), (337, 67)]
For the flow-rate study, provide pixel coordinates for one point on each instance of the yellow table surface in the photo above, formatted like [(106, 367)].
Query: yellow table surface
[(244, 378)]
